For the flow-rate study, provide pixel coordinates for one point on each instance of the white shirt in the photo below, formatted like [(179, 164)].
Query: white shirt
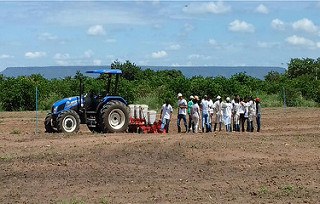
[(195, 110), (166, 111), (210, 104), (217, 107), (242, 109), (182, 102), (205, 106), (226, 109), (236, 108)]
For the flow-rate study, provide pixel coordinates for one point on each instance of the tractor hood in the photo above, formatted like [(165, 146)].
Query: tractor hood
[(65, 104)]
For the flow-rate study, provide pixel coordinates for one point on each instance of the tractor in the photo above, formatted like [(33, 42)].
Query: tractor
[(107, 113)]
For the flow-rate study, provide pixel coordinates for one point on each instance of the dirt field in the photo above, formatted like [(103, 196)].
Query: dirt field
[(281, 164)]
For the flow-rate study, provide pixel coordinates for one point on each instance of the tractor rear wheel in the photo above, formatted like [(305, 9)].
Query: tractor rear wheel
[(48, 124), (114, 117), (68, 122)]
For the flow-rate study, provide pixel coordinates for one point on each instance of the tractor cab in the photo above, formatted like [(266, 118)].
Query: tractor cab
[(101, 113)]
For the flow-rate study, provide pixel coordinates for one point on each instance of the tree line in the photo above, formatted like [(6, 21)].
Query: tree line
[(298, 86)]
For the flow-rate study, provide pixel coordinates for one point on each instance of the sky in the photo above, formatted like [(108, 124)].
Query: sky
[(158, 33)]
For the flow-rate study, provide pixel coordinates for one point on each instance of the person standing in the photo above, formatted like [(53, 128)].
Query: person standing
[(236, 114), (182, 112), (217, 110), (190, 104), (211, 112), (258, 112), (195, 112), (227, 114), (252, 113), (166, 113), (205, 113), (242, 110)]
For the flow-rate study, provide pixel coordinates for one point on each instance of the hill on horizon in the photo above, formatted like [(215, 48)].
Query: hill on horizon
[(51, 72)]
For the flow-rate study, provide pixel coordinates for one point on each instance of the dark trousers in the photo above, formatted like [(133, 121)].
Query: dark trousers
[(190, 122), (184, 118), (242, 121), (258, 122)]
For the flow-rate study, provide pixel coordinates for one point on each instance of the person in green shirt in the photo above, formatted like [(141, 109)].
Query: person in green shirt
[(190, 104)]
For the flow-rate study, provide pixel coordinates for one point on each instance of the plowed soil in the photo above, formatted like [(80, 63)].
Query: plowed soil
[(280, 164)]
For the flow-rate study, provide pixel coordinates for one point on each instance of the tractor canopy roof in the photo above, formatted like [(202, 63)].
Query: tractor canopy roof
[(105, 71)]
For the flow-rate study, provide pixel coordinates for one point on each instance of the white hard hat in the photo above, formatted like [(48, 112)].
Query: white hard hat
[(218, 97), (191, 97), (228, 99), (179, 95), (196, 98)]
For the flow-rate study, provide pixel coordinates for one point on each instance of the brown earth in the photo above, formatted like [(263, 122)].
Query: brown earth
[(278, 165)]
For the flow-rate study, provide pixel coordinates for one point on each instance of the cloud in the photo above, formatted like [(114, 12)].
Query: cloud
[(6, 56), (277, 24), (198, 56), (262, 9), (305, 25), (241, 26), (47, 37), (207, 7), (302, 42), (96, 30), (88, 54), (174, 47), (34, 55), (159, 54), (97, 62), (61, 56), (212, 42)]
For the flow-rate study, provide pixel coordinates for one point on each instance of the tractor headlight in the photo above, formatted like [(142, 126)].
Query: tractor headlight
[(54, 110)]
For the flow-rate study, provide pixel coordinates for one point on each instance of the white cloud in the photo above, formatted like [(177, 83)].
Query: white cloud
[(241, 26), (96, 30), (159, 54), (207, 7), (97, 62), (262, 9), (305, 25), (61, 56), (277, 24), (212, 41), (6, 56), (198, 56), (88, 54), (110, 40), (318, 44), (47, 37), (301, 41), (174, 47), (33, 55)]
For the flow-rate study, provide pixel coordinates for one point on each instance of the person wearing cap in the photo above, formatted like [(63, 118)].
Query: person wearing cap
[(205, 113), (182, 112), (190, 104), (166, 113), (236, 114), (217, 110), (251, 114), (195, 112), (258, 114), (227, 113)]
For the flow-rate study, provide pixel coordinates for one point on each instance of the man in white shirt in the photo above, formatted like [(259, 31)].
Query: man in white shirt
[(182, 112), (217, 110), (227, 113), (211, 112), (166, 113), (205, 113)]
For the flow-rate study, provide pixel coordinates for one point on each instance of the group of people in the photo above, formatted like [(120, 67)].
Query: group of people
[(235, 114)]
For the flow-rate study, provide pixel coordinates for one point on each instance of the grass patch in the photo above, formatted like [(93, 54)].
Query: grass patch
[(15, 132), (104, 200), (72, 201), (6, 158), (263, 190)]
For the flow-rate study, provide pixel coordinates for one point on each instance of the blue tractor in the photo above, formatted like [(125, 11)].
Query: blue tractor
[(102, 114)]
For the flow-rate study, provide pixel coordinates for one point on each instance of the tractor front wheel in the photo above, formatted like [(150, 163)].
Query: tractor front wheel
[(68, 122), (48, 124), (114, 117)]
